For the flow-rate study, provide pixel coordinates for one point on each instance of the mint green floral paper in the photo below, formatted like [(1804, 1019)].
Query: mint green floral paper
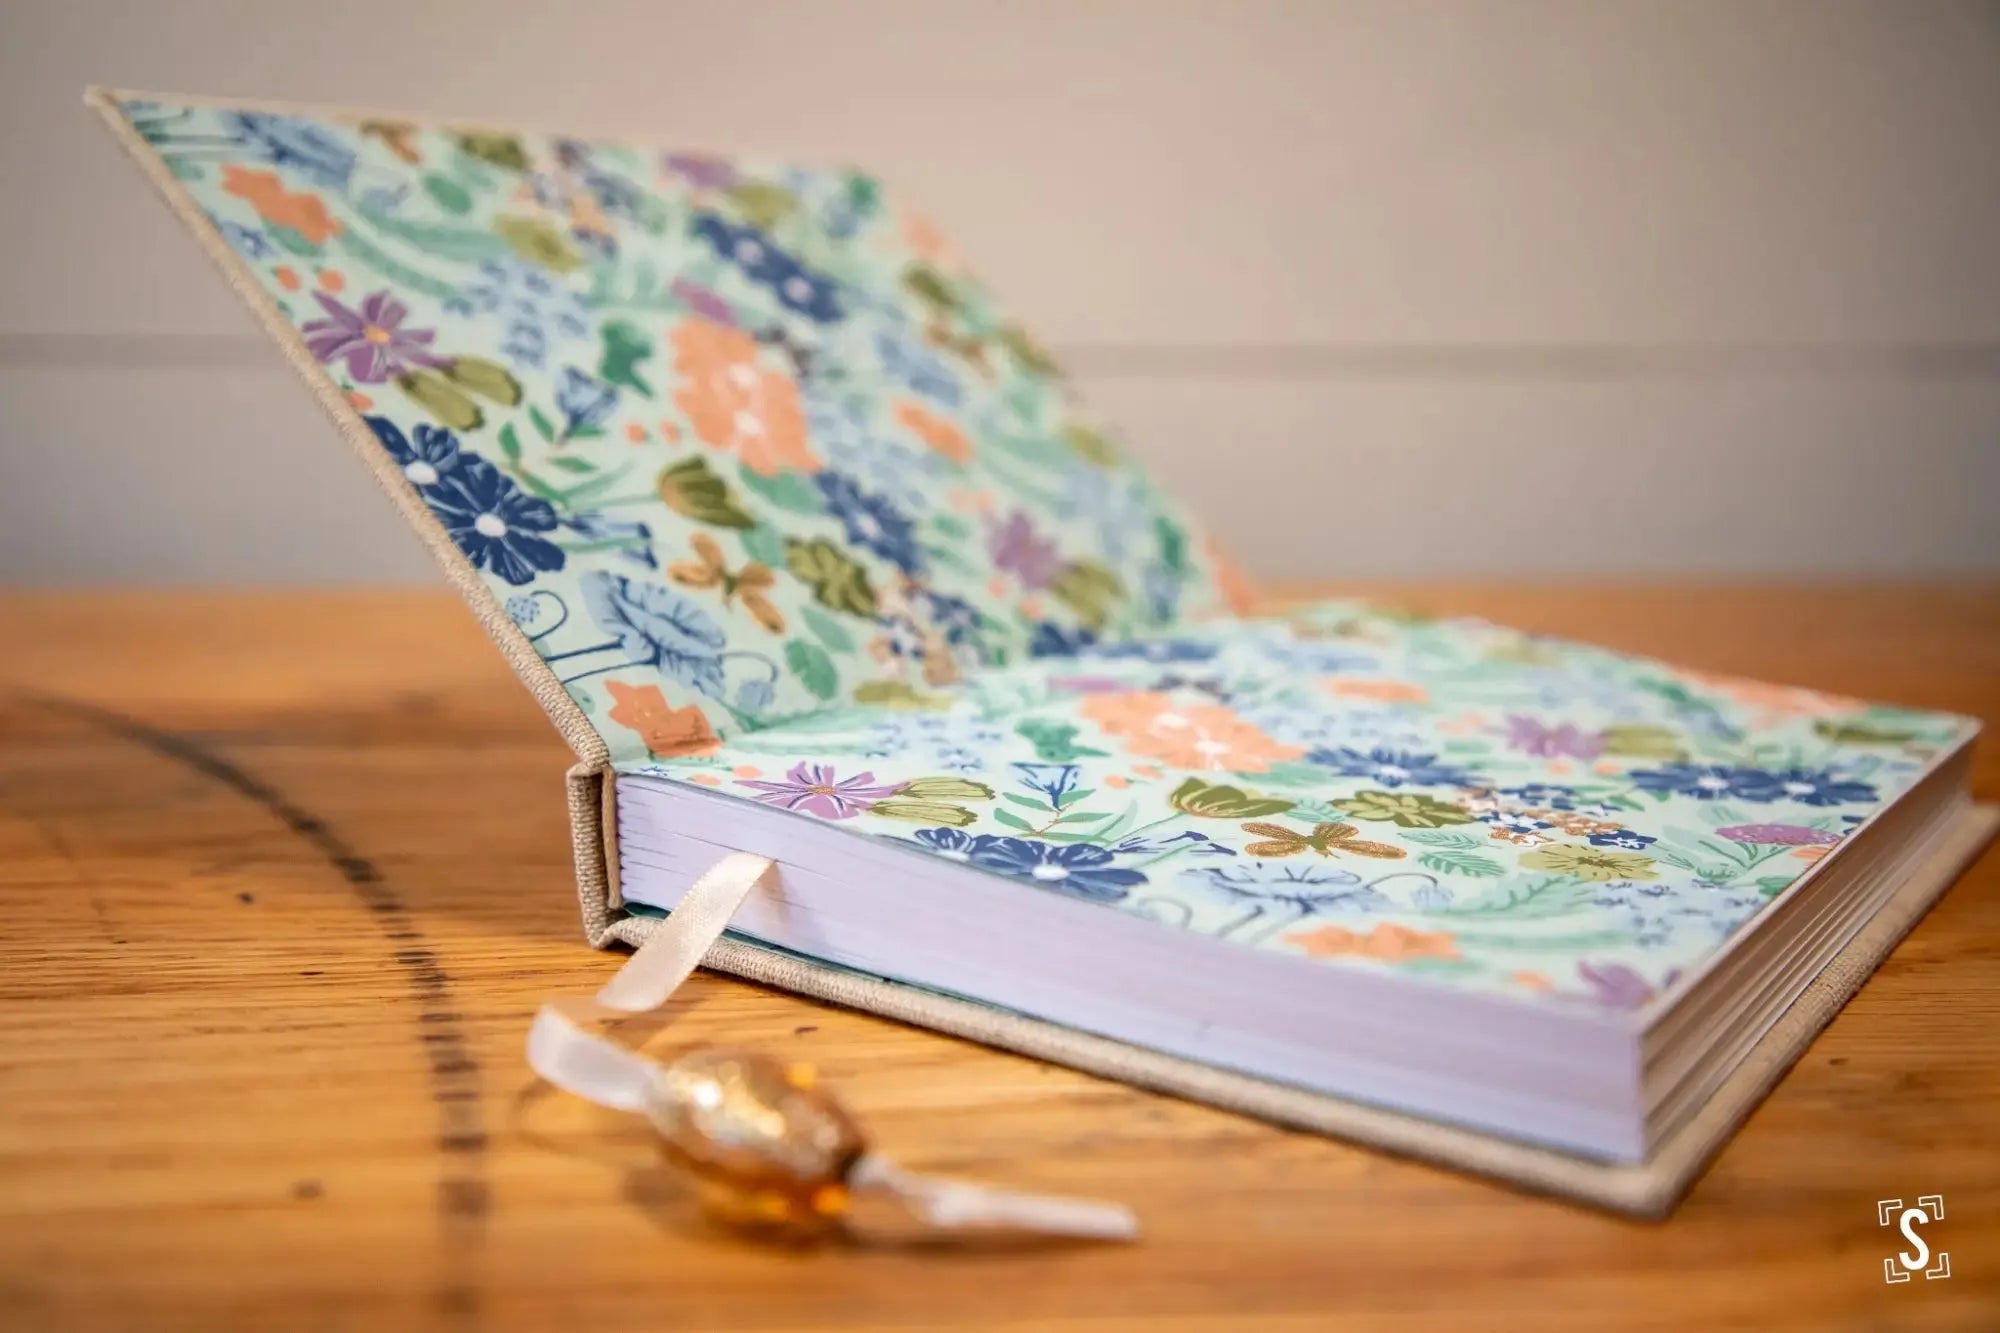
[(794, 513)]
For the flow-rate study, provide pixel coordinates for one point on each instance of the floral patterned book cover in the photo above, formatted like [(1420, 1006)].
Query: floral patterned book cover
[(792, 510)]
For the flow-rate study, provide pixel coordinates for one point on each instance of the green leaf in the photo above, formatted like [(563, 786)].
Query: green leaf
[(1054, 742), (541, 423), (923, 812), (946, 789), (486, 378), (690, 489), (1088, 589), (813, 668), (294, 241), (837, 582), (449, 194), (1206, 800), (624, 348), (436, 396), (1441, 838), (819, 622), (1173, 545), (1451, 862), (510, 442), (441, 240), (571, 463), (763, 544), (1070, 798), (1025, 802), (1012, 820), (787, 490)]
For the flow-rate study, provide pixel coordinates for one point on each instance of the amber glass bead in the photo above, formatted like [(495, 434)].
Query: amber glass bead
[(772, 1149)]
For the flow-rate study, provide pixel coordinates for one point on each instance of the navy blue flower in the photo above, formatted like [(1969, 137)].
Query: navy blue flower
[(1624, 839), (1709, 782), (1053, 640), (1160, 650), (950, 843), (1514, 821), (1073, 867), (1054, 781), (872, 522), (797, 288), (1822, 787), (658, 627), (1392, 768), (428, 460), (286, 141), (955, 616), (585, 403), (492, 521)]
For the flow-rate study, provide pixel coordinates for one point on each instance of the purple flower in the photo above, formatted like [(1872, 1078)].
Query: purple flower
[(814, 789), (1087, 684), (1532, 736), (1617, 986), (704, 173), (377, 346), (1779, 835), (1075, 867), (703, 301), (1017, 549)]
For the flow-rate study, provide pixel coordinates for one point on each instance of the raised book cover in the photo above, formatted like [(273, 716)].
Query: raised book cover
[(810, 551)]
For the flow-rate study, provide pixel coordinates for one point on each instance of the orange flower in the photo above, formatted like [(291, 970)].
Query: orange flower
[(1389, 943), (304, 213), (1773, 701), (666, 730), (1199, 736), (1534, 981), (935, 431), (1235, 586), (1381, 691), (923, 237), (1810, 853), (735, 403)]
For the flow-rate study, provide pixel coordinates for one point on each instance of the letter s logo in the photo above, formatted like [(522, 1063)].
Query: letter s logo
[(1912, 1217)]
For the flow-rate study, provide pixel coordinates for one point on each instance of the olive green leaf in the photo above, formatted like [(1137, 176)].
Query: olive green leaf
[(689, 488), (1091, 446), (1090, 590), (488, 379), (502, 150), (1640, 741), (924, 283), (946, 789), (898, 694), (923, 812), (763, 205), (539, 243), (436, 396), (813, 667), (836, 581), (1405, 809), (1027, 351), (624, 348), (1860, 733), (1208, 800)]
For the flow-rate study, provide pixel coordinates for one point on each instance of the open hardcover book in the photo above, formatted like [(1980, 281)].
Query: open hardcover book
[(810, 552)]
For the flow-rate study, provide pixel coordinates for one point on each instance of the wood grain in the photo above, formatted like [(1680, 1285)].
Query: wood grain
[(283, 877)]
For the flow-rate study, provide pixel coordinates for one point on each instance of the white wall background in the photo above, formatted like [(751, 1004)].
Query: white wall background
[(1577, 287)]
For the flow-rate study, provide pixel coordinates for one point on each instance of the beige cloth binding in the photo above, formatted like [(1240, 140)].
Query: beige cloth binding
[(1650, 1189)]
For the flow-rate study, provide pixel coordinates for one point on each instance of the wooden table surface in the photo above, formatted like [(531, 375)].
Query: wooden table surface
[(282, 879)]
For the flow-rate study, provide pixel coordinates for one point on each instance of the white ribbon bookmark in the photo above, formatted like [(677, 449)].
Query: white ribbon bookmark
[(689, 1100)]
